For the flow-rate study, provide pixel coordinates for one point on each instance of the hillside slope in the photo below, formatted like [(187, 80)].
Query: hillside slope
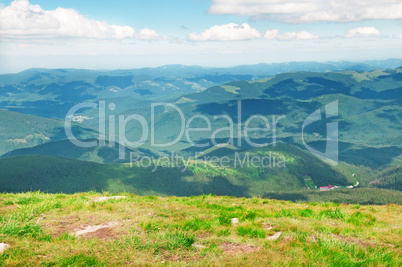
[(19, 130), (282, 168), (109, 153), (377, 84)]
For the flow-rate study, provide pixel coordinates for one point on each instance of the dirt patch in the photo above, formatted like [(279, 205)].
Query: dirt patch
[(90, 227), (186, 258), (175, 258), (203, 235), (353, 240), (8, 208), (237, 248), (62, 225), (288, 239), (102, 234), (360, 242)]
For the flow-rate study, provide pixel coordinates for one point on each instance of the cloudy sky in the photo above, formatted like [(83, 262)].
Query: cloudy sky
[(130, 33)]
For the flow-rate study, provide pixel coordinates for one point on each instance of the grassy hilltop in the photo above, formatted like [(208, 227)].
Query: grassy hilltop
[(75, 230)]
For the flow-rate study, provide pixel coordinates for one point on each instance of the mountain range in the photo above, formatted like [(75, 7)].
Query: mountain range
[(37, 155)]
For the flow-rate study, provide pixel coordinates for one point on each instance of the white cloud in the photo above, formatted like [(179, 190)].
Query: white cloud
[(148, 34), (26, 45), (271, 34), (308, 11), (362, 32), (226, 32), (288, 36), (24, 20)]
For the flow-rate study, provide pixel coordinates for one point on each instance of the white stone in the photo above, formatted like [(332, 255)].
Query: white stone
[(198, 246), (235, 220), (3, 247), (274, 236), (91, 229)]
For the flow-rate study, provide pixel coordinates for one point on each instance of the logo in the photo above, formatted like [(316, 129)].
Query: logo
[(239, 129), (331, 149)]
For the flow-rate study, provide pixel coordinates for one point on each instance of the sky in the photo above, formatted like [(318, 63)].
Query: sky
[(123, 34)]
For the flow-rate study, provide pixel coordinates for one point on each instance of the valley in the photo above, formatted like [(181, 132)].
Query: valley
[(227, 122)]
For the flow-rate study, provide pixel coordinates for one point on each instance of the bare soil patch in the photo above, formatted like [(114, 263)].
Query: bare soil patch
[(360, 242), (237, 248), (86, 228), (102, 234), (62, 225), (352, 240)]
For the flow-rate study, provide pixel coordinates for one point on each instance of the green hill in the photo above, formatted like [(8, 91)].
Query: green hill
[(282, 167), (21, 131), (368, 124), (65, 149), (389, 178), (378, 84)]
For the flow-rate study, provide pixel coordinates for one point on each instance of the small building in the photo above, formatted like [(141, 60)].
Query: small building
[(326, 188)]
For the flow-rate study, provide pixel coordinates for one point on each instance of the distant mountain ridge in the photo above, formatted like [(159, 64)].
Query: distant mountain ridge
[(51, 92)]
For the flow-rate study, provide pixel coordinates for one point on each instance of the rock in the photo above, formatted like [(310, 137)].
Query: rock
[(274, 236), (102, 199), (3, 247), (91, 229), (198, 246), (235, 220)]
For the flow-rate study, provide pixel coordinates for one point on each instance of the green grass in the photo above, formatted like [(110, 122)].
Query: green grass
[(251, 232), (309, 183), (196, 231), (371, 196)]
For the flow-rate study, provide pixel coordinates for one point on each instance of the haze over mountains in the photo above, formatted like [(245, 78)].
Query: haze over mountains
[(51, 92), (35, 103)]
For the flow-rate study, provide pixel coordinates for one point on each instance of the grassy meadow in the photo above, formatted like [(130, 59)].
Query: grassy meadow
[(49, 230)]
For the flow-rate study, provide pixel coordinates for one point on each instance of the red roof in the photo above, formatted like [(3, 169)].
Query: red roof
[(329, 186)]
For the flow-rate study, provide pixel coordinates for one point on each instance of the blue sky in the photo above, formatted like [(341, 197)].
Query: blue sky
[(131, 34)]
